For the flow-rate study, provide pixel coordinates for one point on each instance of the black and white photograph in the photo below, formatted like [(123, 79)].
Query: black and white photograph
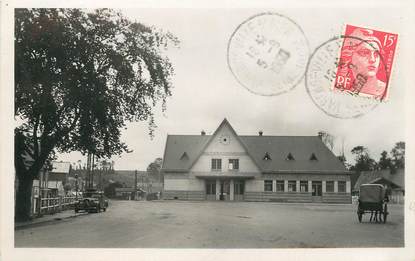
[(234, 130)]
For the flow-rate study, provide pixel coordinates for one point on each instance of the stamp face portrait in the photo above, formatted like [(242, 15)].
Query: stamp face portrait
[(320, 79), (268, 54), (366, 60)]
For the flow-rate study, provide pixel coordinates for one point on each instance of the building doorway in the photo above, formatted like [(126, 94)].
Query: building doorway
[(224, 190), (316, 191), (239, 189), (210, 189)]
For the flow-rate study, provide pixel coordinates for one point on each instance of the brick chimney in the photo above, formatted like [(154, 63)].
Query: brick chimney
[(260, 133)]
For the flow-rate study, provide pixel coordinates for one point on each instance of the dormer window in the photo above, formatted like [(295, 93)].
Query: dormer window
[(267, 156), (289, 157), (313, 156), (184, 156)]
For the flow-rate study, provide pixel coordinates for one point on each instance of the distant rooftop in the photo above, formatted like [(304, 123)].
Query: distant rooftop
[(61, 167)]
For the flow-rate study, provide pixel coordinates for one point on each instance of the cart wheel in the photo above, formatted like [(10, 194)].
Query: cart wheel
[(359, 216), (385, 213)]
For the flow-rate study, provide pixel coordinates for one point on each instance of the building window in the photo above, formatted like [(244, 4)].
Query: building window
[(210, 187), (280, 185), (304, 186), (267, 156), (289, 157), (292, 186), (329, 186), (267, 185), (216, 164), (233, 164), (239, 187), (342, 186)]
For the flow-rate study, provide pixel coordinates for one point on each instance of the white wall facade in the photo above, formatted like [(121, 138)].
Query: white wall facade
[(231, 149), (176, 184), (254, 185)]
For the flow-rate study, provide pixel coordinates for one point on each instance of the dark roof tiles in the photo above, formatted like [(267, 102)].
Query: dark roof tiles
[(176, 145), (278, 147)]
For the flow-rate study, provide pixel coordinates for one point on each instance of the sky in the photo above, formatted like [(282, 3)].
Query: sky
[(205, 91)]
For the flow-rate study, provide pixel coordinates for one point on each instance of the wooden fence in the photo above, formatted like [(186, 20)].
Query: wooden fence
[(43, 206)]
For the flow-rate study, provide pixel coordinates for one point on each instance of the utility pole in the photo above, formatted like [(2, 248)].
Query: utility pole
[(100, 178), (92, 171), (135, 186), (88, 170)]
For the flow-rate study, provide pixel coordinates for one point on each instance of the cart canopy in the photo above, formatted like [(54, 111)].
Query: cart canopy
[(373, 193)]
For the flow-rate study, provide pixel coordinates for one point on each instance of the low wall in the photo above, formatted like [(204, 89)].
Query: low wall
[(341, 198), (184, 195), (297, 197), (278, 196), (289, 197)]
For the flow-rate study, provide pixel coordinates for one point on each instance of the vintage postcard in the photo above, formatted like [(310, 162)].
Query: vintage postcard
[(207, 130)]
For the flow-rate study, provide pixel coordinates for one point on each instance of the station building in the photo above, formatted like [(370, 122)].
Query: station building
[(227, 166)]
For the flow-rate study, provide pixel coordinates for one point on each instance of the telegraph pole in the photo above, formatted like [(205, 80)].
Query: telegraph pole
[(135, 186), (92, 171), (100, 179), (88, 170)]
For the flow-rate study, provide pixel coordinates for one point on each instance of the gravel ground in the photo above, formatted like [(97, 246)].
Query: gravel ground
[(177, 224)]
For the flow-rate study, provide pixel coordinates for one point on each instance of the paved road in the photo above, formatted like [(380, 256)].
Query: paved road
[(175, 224)]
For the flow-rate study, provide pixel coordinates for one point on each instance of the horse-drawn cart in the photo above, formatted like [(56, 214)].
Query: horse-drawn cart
[(373, 200)]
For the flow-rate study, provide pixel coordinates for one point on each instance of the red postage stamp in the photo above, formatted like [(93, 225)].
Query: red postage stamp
[(365, 62)]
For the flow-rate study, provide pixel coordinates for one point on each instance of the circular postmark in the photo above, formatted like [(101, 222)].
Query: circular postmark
[(268, 54), (321, 81)]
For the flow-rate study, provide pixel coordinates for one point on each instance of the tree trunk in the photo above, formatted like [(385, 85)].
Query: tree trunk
[(25, 174), (23, 202)]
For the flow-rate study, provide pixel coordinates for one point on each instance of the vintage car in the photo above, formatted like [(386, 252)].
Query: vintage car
[(92, 200), (373, 199)]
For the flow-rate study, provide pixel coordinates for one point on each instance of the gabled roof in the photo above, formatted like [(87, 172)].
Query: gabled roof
[(368, 177), (176, 145), (278, 147)]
